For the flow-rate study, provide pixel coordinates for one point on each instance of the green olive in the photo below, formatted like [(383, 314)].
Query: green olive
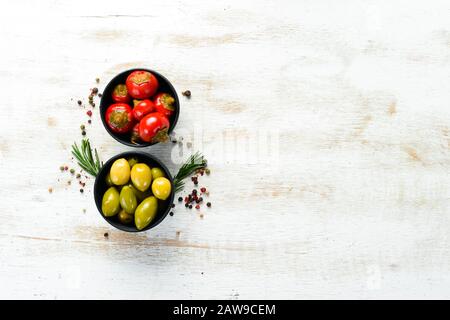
[(132, 161), (108, 180), (124, 217), (120, 172), (141, 176), (140, 195), (128, 200), (157, 173), (110, 202), (146, 212)]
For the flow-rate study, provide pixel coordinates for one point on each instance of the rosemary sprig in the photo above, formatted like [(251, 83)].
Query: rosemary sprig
[(85, 159), (192, 164)]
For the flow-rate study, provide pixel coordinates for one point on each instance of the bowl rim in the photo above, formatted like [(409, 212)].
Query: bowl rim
[(108, 165), (103, 102)]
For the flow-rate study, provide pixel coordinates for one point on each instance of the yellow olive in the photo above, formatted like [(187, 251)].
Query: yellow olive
[(128, 200), (125, 218), (110, 202), (141, 176), (120, 172), (157, 172), (145, 212), (161, 188), (108, 180)]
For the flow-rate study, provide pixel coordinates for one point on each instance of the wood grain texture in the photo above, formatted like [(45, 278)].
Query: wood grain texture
[(326, 125)]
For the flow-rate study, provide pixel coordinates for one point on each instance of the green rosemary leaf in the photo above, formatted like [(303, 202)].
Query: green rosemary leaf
[(192, 164), (86, 161)]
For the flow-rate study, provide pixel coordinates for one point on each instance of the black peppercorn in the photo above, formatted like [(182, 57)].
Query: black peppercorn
[(79, 102), (208, 204), (190, 206), (171, 213), (81, 190), (180, 199)]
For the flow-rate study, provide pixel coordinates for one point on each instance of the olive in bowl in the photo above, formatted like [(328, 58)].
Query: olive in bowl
[(139, 107), (134, 191)]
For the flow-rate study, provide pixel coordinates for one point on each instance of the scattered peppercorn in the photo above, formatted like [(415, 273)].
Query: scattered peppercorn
[(81, 190), (93, 105), (61, 168), (173, 205), (69, 182), (97, 80), (83, 133), (72, 171), (78, 176), (66, 167), (186, 93), (194, 191), (197, 207), (180, 199), (203, 189), (89, 121), (106, 234), (95, 90), (190, 206), (79, 102), (82, 127), (100, 95), (196, 182), (50, 190), (208, 204), (207, 171), (171, 213), (186, 205), (200, 199)]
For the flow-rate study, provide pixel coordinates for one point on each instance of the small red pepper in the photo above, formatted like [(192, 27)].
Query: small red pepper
[(119, 117), (141, 84), (164, 104), (135, 138), (120, 93), (154, 127), (142, 108)]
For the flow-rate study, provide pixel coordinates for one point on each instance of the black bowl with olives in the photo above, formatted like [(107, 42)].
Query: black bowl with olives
[(134, 191), (139, 107)]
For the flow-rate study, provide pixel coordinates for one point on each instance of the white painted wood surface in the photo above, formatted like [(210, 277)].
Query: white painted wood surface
[(351, 201)]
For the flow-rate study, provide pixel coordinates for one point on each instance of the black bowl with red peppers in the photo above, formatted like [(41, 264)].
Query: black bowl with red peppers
[(124, 107)]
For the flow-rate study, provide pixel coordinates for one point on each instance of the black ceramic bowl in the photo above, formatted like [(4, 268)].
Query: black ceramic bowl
[(106, 101), (100, 188)]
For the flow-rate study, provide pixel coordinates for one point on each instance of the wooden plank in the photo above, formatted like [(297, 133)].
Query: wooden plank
[(326, 125)]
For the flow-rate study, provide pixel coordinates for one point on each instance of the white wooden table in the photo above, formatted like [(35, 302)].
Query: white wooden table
[(347, 199)]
